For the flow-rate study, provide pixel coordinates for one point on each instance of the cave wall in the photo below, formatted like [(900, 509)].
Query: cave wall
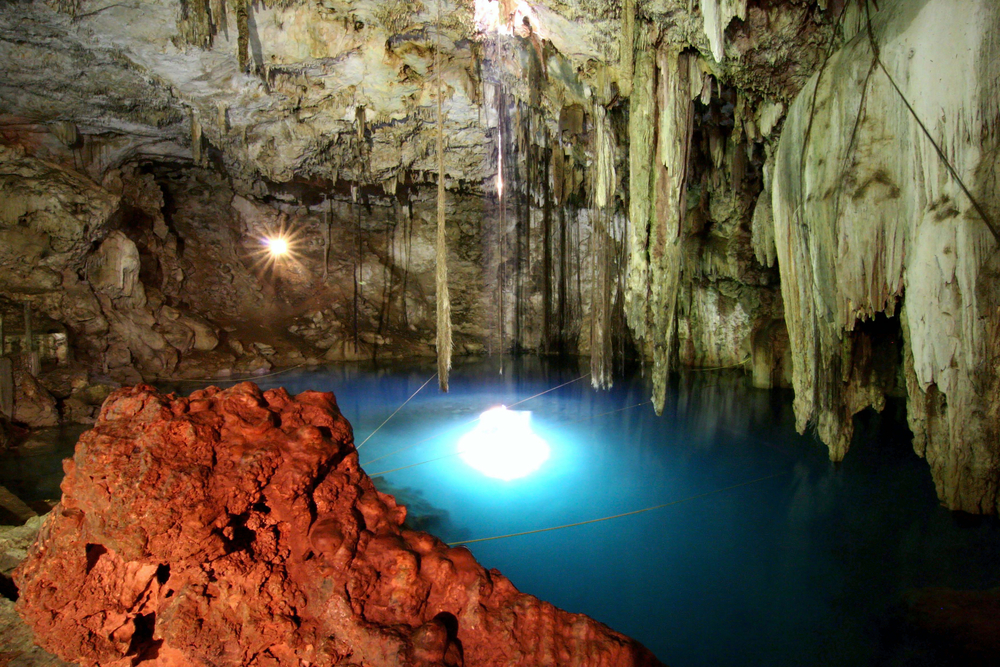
[(656, 180), (870, 227)]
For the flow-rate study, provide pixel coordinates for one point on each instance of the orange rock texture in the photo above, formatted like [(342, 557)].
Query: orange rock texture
[(235, 527)]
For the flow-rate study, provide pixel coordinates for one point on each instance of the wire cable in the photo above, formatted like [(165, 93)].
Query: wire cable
[(463, 424), (617, 516), (548, 390), (397, 410)]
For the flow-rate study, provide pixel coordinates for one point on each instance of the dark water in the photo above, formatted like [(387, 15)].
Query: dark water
[(33, 470), (802, 563)]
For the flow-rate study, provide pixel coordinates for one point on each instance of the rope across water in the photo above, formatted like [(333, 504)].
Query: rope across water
[(617, 516), (471, 421), (397, 410)]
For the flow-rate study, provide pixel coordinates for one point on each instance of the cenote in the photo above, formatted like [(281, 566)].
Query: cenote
[(771, 554)]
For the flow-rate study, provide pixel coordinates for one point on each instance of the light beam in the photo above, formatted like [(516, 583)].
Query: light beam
[(502, 445)]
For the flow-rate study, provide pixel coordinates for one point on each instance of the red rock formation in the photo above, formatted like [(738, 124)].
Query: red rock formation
[(235, 528)]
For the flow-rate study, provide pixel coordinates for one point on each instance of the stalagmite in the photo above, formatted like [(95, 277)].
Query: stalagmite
[(871, 214), (443, 340)]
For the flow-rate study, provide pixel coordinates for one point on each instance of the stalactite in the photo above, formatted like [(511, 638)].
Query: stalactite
[(602, 254), (602, 281), (522, 185), (627, 47), (443, 298), (327, 235), (408, 245), (502, 121), (604, 158), (642, 138), (30, 358), (544, 162), (357, 276), (717, 14), (195, 23), (388, 274), (674, 125), (563, 304), (242, 12), (196, 152)]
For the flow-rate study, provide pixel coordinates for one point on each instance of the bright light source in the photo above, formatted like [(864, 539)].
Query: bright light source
[(502, 445), (277, 246)]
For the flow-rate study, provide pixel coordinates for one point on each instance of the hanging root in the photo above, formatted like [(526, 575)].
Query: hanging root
[(443, 298)]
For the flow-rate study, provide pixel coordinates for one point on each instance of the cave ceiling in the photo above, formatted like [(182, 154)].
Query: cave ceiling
[(327, 93)]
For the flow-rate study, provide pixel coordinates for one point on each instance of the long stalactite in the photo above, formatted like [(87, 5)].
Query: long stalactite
[(660, 127), (443, 339)]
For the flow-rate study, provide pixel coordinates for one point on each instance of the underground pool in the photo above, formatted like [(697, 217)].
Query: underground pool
[(759, 550)]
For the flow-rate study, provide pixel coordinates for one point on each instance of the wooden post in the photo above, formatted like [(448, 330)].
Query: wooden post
[(30, 356), (6, 388), (327, 204), (3, 341)]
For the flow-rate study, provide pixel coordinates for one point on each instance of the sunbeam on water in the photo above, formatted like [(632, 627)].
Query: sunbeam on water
[(502, 445)]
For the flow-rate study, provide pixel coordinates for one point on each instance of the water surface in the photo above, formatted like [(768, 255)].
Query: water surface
[(767, 554)]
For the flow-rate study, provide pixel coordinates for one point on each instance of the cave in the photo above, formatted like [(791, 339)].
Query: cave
[(336, 332)]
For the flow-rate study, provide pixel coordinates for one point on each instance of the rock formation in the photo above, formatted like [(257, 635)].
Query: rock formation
[(17, 646), (235, 528), (887, 266)]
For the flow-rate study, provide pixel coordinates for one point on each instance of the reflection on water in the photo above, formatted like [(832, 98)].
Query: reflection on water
[(808, 566), (33, 469), (421, 514)]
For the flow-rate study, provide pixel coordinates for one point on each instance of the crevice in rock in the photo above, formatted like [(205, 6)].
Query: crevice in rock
[(8, 589)]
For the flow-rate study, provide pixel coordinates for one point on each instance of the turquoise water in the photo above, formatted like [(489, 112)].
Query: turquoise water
[(802, 563)]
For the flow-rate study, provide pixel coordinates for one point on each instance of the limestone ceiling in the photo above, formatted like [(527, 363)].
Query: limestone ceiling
[(153, 75)]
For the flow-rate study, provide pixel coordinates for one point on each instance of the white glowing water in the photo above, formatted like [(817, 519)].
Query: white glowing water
[(502, 445)]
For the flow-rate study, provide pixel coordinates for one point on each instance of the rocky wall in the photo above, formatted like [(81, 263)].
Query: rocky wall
[(881, 252)]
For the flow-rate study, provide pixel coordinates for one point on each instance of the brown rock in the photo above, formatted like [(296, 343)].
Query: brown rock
[(236, 528), (34, 406), (17, 646), (76, 411)]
